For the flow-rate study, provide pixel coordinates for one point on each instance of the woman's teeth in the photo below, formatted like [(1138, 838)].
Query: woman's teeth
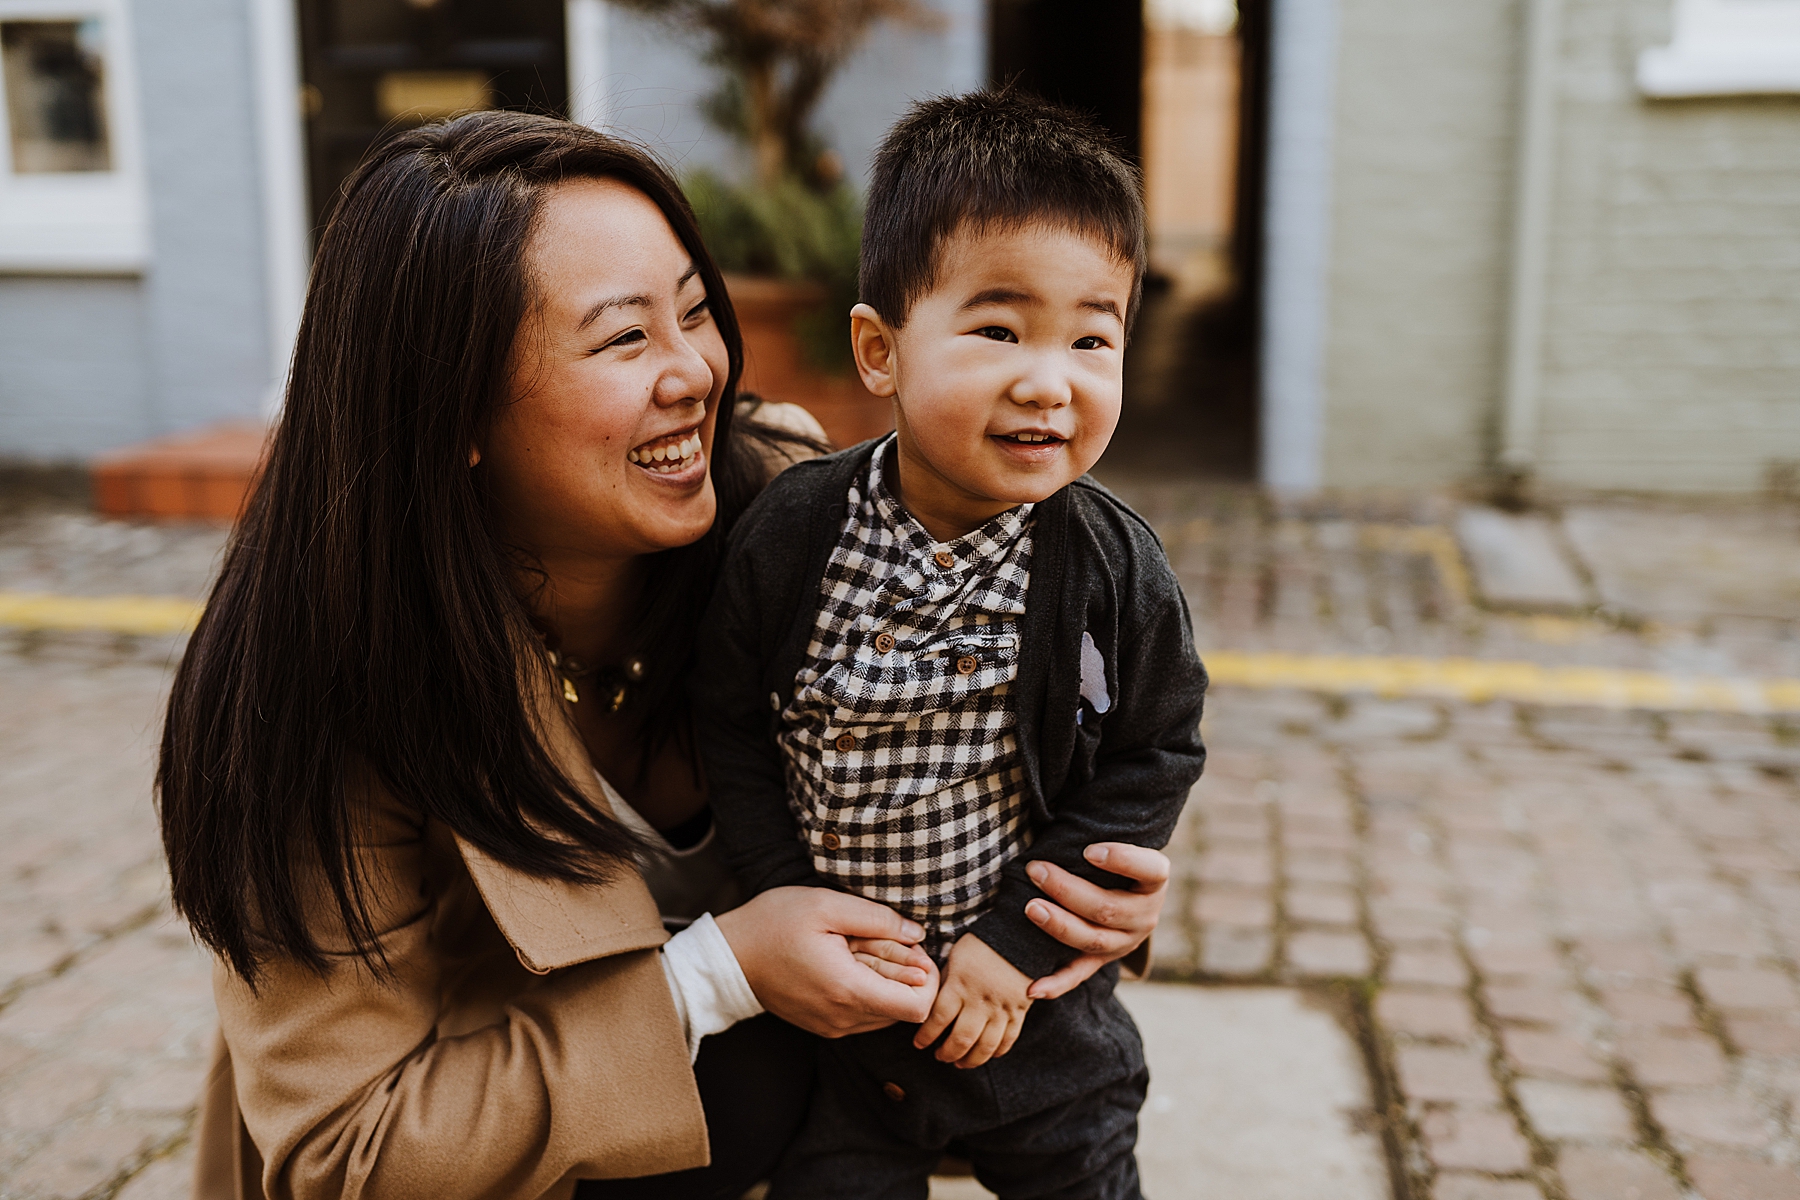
[(665, 457)]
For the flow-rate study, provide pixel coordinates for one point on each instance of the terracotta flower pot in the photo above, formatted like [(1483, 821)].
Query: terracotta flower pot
[(775, 366)]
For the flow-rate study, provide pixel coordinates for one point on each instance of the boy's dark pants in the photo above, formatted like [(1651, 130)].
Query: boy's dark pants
[(1055, 1119)]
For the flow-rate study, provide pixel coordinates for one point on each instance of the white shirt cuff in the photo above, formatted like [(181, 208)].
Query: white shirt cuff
[(711, 993)]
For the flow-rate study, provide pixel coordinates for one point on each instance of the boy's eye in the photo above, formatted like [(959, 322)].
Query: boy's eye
[(997, 333), (1090, 343)]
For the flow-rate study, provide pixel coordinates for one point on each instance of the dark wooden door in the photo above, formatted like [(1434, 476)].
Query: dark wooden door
[(373, 67), (1087, 54)]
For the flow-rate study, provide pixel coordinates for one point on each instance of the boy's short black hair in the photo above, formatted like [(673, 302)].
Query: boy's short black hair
[(990, 159)]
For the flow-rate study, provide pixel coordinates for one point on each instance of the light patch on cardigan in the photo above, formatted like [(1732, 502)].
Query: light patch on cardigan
[(1093, 678)]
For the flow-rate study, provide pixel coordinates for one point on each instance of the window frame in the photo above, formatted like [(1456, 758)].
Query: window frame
[(80, 222), (1726, 48)]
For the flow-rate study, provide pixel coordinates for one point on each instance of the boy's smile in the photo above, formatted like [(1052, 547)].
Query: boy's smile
[(1007, 375)]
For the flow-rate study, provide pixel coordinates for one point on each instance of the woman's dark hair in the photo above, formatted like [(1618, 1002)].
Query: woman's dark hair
[(367, 617)]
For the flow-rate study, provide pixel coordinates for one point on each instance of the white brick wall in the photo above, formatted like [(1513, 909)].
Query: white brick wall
[(1672, 338)]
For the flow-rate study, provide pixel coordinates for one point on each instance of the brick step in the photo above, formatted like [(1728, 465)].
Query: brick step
[(204, 474)]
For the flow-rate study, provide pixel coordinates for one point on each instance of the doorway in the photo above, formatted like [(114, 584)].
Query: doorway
[(375, 67), (1182, 84)]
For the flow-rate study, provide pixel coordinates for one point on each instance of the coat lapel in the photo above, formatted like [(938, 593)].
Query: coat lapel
[(553, 923)]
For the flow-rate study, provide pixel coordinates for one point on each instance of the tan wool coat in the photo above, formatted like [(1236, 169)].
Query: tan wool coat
[(526, 1039)]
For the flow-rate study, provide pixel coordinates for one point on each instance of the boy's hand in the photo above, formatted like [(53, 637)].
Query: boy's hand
[(898, 961), (981, 1001)]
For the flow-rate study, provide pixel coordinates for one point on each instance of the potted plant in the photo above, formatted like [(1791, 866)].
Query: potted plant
[(788, 238)]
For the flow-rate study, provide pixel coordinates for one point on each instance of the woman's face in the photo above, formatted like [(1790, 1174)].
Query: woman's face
[(604, 444)]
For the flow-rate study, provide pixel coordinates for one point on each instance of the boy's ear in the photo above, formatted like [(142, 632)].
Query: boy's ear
[(873, 344)]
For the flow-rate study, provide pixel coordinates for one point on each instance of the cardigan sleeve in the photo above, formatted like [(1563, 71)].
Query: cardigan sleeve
[(1149, 755), (347, 1090), (736, 693)]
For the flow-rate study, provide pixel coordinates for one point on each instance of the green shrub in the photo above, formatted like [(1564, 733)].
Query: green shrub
[(790, 231)]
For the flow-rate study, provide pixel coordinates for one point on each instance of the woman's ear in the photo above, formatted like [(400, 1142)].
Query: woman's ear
[(873, 344), (474, 455)]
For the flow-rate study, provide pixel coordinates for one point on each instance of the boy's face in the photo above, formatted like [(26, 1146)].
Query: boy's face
[(1007, 375)]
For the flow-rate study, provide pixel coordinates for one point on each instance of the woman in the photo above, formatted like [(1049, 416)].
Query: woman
[(462, 599)]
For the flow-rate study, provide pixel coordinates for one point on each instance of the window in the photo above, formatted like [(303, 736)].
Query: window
[(1726, 48), (71, 191)]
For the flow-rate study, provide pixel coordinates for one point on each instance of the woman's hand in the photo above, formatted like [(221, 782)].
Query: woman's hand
[(795, 947), (1103, 923)]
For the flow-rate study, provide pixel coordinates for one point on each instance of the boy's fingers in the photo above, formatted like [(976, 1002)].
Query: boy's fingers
[(892, 951), (910, 976), (1014, 1028), (943, 1010), (986, 1046), (964, 1034)]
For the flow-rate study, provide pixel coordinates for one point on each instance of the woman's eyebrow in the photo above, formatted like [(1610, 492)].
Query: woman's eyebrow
[(638, 300), (593, 313)]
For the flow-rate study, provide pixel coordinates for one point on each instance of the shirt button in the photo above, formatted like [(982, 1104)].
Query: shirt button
[(894, 1091), (945, 559), (831, 841), (966, 665), (884, 642), (845, 743)]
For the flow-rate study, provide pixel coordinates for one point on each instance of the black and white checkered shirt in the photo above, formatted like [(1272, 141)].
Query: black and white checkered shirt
[(901, 756)]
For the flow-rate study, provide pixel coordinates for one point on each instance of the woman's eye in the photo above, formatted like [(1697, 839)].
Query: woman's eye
[(629, 337), (997, 333), (1090, 343), (699, 310)]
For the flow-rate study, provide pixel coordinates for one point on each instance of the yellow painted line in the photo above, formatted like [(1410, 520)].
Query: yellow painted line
[(1478, 680), (1468, 679), (115, 614)]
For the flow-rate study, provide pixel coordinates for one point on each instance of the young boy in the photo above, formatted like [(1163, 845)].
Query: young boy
[(940, 656)]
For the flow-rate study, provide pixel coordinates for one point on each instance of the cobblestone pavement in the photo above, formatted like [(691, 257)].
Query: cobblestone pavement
[(1567, 938)]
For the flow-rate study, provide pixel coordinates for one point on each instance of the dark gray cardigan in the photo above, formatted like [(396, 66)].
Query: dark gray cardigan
[(1096, 567)]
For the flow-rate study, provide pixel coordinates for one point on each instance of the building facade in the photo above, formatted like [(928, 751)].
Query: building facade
[(1552, 238)]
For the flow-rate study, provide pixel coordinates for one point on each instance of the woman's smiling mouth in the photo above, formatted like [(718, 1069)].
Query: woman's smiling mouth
[(667, 455)]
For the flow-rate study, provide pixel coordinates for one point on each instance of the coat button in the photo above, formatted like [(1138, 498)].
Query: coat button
[(775, 701), (966, 665), (945, 559), (894, 1091), (845, 743), (884, 642), (831, 841)]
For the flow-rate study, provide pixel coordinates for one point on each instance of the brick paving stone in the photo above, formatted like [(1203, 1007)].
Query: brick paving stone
[(170, 1178), (1720, 1178), (1650, 1008), (1457, 1185), (1474, 1139), (1711, 1117), (1551, 1055), (1319, 954), (1427, 967), (1224, 904), (1755, 988), (1777, 1034), (1440, 1073), (1530, 1004), (1231, 951), (1425, 1013), (1660, 1060), (1320, 905), (1575, 1112), (1593, 1173)]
